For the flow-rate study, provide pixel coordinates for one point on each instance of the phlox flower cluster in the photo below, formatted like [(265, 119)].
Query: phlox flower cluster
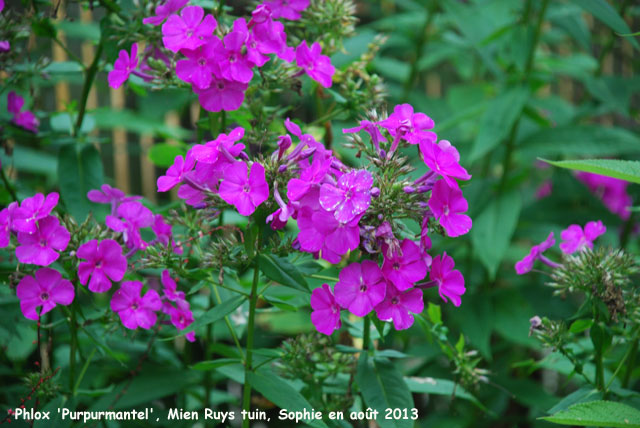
[(220, 65), (612, 191), (41, 240), (21, 117), (574, 238)]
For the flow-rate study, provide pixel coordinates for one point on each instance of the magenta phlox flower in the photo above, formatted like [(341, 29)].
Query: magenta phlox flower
[(269, 35), (411, 126), (6, 218), (123, 67), (5, 46), (404, 267), (326, 311), (444, 159), (612, 191), (310, 176), (399, 306), (338, 237), (220, 149), (574, 238), (287, 9), (110, 195), (372, 129), (33, 209), (448, 206), (200, 64), (104, 263), (316, 65), (221, 95), (450, 282), (182, 317), (245, 193), (162, 230), (361, 287), (164, 10), (47, 289), (350, 197), (425, 241), (24, 119), (170, 289), (131, 217), (234, 64), (136, 310), (175, 173), (41, 247), (189, 30), (526, 264)]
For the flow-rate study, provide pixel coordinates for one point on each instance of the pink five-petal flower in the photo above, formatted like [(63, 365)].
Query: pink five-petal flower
[(360, 287), (575, 239), (403, 268), (182, 317), (171, 287), (162, 230), (131, 217), (25, 119), (175, 173), (201, 64), (310, 176), (6, 218), (214, 151), (326, 311), (41, 247), (526, 264), (164, 10), (268, 36), (245, 193), (351, 196), (189, 30), (287, 9), (136, 311), (104, 263), (123, 67), (444, 159), (399, 307), (448, 206), (47, 289), (317, 66), (234, 64), (221, 95), (337, 237), (612, 191), (450, 282), (33, 209), (411, 126)]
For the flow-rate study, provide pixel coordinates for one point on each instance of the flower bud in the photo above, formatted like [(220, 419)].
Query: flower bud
[(375, 192)]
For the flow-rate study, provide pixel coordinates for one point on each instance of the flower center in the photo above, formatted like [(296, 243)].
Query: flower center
[(135, 306), (189, 33), (246, 188), (202, 62), (363, 287), (396, 265), (232, 58), (44, 296), (395, 301), (446, 210), (220, 86)]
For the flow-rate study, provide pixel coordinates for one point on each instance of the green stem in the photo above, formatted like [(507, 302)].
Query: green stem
[(73, 348), (607, 48), (8, 185), (220, 8), (366, 334), (232, 331), (86, 88), (506, 164), (69, 53), (422, 38), (599, 371), (83, 371), (631, 363), (248, 361)]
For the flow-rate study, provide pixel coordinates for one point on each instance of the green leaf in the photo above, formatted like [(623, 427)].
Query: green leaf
[(280, 270), (44, 28), (79, 170), (214, 364), (501, 114), (582, 395), (435, 313), (579, 326), (281, 393), (215, 314), (493, 228), (579, 140), (623, 169), (598, 414), (429, 385), (383, 387), (602, 10), (163, 154)]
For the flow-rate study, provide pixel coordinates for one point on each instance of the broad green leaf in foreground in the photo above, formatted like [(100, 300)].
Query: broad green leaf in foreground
[(623, 169), (383, 387), (493, 228), (79, 170), (429, 385), (279, 269), (215, 314), (598, 414)]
